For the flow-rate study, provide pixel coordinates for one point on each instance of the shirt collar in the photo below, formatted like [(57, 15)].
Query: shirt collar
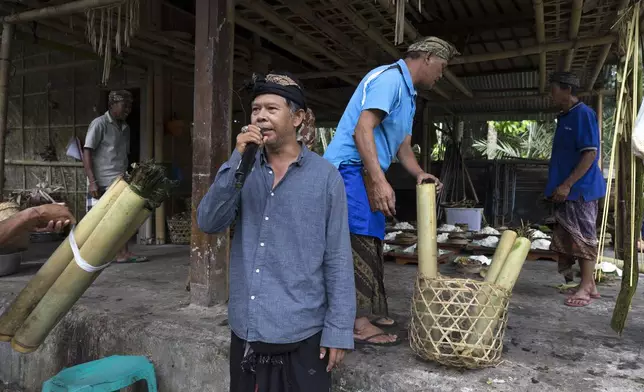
[(120, 126), (407, 76), (573, 107), (303, 153)]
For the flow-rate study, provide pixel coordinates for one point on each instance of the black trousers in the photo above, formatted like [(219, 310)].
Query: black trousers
[(300, 370)]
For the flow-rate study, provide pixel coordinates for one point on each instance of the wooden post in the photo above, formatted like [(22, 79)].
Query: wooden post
[(5, 54), (214, 45), (426, 149), (159, 216), (600, 121), (146, 138)]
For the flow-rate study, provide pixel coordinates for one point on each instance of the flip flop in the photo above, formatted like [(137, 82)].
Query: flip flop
[(379, 324), (573, 291), (568, 302), (132, 260), (367, 342)]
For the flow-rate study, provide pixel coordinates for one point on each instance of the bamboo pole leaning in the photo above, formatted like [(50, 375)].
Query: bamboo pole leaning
[(631, 170), (147, 188), (29, 297)]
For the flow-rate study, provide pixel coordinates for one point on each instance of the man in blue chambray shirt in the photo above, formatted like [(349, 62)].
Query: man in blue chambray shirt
[(292, 292), (376, 127), (575, 184)]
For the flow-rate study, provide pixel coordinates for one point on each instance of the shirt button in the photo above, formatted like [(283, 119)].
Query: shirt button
[(270, 172), (272, 194), (252, 297), (261, 244), (257, 270), (265, 218)]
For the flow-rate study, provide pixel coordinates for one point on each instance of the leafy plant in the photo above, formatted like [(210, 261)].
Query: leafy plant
[(519, 139)]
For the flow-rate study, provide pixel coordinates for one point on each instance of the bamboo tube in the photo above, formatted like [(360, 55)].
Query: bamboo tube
[(5, 67), (489, 311), (620, 263), (29, 297), (427, 241), (73, 282), (500, 255), (513, 264)]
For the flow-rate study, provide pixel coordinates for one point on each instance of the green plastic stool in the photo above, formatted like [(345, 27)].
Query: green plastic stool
[(103, 375)]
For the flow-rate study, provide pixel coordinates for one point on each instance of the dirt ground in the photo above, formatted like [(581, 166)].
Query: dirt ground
[(548, 346)]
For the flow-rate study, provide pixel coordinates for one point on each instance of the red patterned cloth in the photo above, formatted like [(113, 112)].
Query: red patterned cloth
[(307, 133)]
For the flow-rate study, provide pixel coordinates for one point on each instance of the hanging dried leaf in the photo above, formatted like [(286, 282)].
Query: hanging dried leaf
[(112, 34)]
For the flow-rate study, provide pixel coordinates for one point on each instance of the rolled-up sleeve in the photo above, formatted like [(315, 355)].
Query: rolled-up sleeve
[(338, 272), (587, 138), (218, 208), (95, 133)]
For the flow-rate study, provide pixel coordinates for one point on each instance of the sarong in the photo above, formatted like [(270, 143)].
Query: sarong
[(575, 233), (92, 201), (369, 271), (263, 367)]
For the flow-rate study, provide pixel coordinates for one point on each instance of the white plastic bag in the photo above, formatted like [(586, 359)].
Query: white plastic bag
[(637, 139)]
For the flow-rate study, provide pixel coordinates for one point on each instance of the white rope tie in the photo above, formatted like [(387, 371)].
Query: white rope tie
[(84, 265)]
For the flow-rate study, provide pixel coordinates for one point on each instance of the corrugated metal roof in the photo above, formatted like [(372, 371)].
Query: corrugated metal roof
[(509, 81)]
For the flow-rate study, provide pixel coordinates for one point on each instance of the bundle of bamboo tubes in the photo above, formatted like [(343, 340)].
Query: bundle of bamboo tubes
[(628, 201), (78, 261), (461, 322)]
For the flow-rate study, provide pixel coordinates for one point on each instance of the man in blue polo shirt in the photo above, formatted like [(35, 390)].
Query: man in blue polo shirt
[(575, 184), (376, 127)]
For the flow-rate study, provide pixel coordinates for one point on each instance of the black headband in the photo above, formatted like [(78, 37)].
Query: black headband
[(568, 78), (286, 87)]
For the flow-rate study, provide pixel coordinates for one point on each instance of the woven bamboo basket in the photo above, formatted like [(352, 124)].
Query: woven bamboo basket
[(180, 228), (444, 314), (8, 209)]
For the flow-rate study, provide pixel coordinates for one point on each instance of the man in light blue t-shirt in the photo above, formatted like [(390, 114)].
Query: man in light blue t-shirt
[(376, 127)]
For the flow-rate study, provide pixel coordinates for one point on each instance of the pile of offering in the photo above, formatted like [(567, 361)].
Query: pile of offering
[(404, 226), (487, 242), (449, 229), (489, 230), (540, 244)]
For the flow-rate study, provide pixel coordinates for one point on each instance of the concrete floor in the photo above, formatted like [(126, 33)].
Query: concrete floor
[(144, 310)]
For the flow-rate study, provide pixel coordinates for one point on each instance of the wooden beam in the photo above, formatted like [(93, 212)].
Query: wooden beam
[(541, 39), (284, 44), (573, 31), (475, 25), (414, 35), (362, 25), (304, 11), (511, 98), (5, 66), (600, 121), (56, 11), (605, 50), (214, 48), (299, 37), (536, 49), (47, 68)]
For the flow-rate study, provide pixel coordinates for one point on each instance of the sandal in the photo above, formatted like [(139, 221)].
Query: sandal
[(367, 341), (380, 324), (132, 260), (577, 302)]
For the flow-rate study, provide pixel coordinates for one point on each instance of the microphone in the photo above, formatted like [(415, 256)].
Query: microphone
[(246, 163)]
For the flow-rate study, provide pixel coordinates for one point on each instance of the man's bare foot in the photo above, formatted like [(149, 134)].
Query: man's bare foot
[(582, 297), (384, 322), (365, 331)]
